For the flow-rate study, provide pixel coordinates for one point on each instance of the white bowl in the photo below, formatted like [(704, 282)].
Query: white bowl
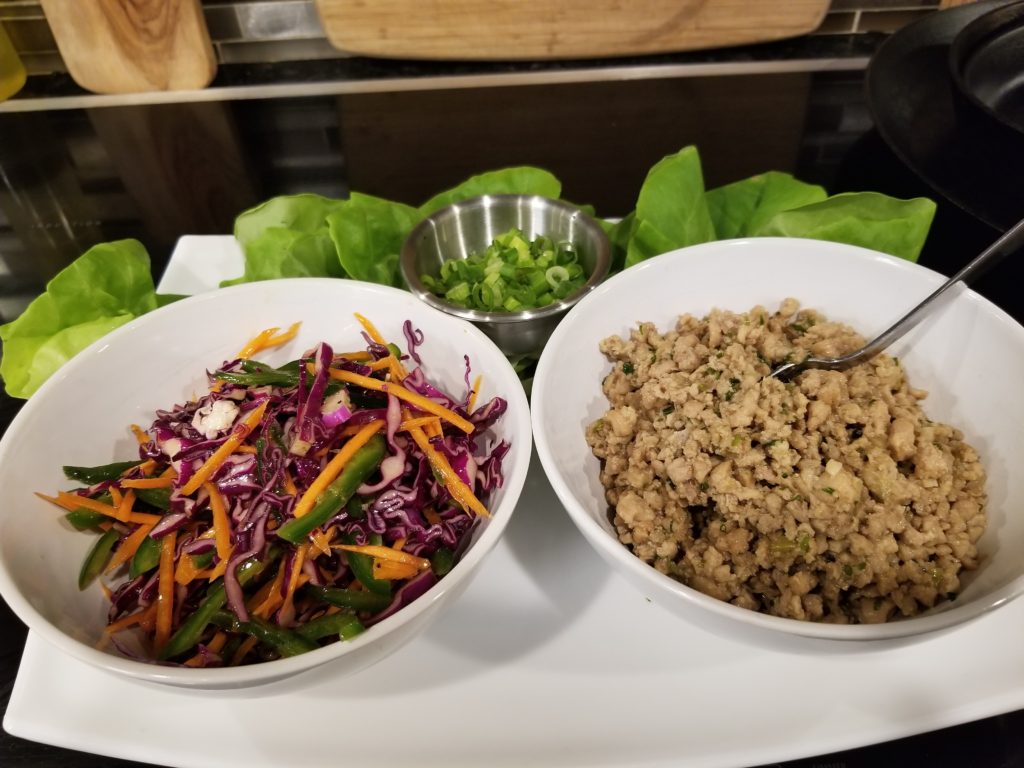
[(81, 417), (969, 356)]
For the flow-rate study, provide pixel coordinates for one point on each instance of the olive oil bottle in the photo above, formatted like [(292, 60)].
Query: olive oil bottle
[(12, 72)]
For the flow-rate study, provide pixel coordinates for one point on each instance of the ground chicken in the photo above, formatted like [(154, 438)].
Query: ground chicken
[(829, 498)]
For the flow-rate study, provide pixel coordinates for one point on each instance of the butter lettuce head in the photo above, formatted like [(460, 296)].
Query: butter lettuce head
[(101, 290)]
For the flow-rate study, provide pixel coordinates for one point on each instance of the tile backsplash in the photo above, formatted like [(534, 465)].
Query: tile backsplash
[(247, 31)]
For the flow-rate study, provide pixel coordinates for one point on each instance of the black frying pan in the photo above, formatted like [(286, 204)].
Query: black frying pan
[(986, 60), (913, 101)]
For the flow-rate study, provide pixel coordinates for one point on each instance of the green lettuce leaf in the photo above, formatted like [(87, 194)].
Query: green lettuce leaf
[(288, 236), (368, 233), (868, 219), (671, 209), (101, 290), (744, 207), (522, 180)]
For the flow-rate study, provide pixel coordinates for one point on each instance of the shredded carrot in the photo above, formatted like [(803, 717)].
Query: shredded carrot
[(289, 483), (419, 421), (386, 553), (384, 362), (145, 468), (186, 571), (115, 495), (267, 600), (399, 544), (216, 643), (354, 356), (169, 472), (297, 579), (246, 449), (218, 570), (473, 394), (221, 525), (148, 482), (434, 429), (146, 615), (322, 539), (165, 594), (72, 501), (334, 467), (212, 464), (243, 651), (415, 399), (140, 434), (431, 516), (268, 338), (458, 489), (128, 547), (389, 570), (371, 329)]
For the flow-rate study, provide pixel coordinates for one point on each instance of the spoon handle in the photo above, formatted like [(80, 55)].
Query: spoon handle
[(1010, 241)]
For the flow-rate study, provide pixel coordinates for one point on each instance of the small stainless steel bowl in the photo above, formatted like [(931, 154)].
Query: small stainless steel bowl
[(469, 227)]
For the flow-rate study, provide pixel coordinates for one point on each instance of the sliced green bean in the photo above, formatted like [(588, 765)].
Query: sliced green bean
[(99, 474), (344, 625), (357, 600), (360, 467), (146, 557), (98, 557)]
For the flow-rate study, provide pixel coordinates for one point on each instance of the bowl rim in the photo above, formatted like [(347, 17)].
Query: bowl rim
[(272, 671), (638, 571), (407, 260)]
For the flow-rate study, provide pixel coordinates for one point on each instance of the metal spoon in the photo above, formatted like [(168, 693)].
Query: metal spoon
[(1005, 245)]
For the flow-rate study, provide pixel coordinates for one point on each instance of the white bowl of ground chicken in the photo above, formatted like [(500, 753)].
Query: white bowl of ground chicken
[(879, 502)]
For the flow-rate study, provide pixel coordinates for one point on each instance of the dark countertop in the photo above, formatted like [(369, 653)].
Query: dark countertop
[(73, 173)]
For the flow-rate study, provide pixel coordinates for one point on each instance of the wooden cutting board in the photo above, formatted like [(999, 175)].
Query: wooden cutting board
[(558, 29), (128, 46)]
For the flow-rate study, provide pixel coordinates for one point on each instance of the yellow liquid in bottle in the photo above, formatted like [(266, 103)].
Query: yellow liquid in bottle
[(12, 73)]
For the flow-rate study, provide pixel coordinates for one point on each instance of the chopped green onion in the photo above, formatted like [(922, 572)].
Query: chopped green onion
[(511, 275)]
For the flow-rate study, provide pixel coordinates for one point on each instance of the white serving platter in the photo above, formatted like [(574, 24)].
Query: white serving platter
[(548, 659)]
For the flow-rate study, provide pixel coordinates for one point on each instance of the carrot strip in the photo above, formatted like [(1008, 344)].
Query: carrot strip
[(384, 362), (334, 467), (458, 489), (354, 356), (289, 484), (72, 501), (165, 596), (221, 524), (322, 539), (268, 338), (243, 651), (473, 394), (415, 399), (386, 553), (267, 600), (216, 643), (148, 482), (420, 421), (390, 570), (145, 468), (146, 614), (297, 579), (115, 495), (212, 464), (129, 546), (140, 434), (186, 571), (371, 329)]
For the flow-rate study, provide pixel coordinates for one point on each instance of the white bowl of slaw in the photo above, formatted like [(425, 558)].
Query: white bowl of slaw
[(82, 414), (969, 356)]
